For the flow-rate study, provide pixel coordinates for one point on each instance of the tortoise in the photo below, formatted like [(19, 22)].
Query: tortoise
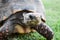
[(23, 16)]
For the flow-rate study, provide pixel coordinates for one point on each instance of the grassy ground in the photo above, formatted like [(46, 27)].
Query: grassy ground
[(53, 20), (53, 16)]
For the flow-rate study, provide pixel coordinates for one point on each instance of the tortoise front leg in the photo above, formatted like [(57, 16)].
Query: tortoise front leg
[(44, 30), (6, 29)]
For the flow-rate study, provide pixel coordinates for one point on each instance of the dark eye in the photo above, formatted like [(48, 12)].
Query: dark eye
[(32, 17), (4, 1)]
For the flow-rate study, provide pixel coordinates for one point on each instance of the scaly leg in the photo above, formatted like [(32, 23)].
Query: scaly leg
[(45, 31)]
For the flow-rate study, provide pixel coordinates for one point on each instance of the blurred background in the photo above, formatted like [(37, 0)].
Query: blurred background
[(53, 20), (53, 16)]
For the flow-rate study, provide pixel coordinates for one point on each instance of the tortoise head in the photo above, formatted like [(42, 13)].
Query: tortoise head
[(28, 18), (32, 19)]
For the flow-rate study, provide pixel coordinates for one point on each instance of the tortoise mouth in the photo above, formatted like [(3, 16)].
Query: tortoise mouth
[(32, 22)]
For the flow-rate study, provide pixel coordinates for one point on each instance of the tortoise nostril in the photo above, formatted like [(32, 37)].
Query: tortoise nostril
[(31, 17)]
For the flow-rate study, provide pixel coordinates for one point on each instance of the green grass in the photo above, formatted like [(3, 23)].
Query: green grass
[(53, 16), (53, 20)]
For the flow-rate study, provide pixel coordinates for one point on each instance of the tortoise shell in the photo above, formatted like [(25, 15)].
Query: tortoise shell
[(8, 7)]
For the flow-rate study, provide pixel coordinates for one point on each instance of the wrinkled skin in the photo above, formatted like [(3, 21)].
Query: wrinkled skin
[(8, 8)]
